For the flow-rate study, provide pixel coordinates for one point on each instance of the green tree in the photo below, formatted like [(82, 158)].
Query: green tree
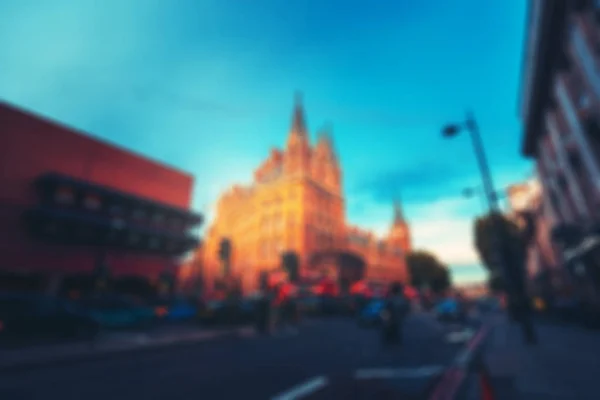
[(426, 270), (502, 242), (495, 232)]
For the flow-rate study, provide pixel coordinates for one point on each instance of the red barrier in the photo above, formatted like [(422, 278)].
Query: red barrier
[(487, 392)]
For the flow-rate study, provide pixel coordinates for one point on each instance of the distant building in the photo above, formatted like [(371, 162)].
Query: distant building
[(73, 208), (525, 198), (559, 107), (473, 290), (522, 196), (296, 203)]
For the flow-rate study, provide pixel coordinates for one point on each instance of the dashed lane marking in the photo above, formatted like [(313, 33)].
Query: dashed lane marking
[(304, 389), (460, 336), (395, 373)]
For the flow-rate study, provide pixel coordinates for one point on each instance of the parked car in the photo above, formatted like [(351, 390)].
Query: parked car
[(176, 309), (27, 315), (119, 312), (228, 312), (370, 315)]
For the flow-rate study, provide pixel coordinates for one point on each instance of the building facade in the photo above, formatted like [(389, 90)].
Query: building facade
[(73, 206), (296, 203), (526, 198), (560, 111), (521, 196)]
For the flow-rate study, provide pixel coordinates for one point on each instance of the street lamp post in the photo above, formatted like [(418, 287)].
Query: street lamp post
[(509, 273), (470, 125), (477, 191)]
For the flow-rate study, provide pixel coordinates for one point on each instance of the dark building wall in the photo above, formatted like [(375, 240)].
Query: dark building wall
[(30, 146)]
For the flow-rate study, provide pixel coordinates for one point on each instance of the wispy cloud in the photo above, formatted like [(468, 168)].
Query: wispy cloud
[(443, 226)]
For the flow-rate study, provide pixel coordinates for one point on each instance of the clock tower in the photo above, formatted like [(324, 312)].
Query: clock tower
[(400, 232)]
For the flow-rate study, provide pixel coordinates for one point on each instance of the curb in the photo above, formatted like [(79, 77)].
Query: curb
[(91, 353)]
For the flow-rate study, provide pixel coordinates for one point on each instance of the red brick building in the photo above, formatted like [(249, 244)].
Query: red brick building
[(69, 201), (560, 110)]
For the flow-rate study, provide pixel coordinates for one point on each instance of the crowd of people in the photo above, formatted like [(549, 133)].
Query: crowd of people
[(278, 311)]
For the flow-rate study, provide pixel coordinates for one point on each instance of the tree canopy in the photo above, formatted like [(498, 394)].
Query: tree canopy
[(500, 240), (426, 270)]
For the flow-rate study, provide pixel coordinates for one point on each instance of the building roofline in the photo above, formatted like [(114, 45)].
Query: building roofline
[(12, 108)]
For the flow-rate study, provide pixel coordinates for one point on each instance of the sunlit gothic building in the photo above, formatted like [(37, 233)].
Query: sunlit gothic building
[(296, 203)]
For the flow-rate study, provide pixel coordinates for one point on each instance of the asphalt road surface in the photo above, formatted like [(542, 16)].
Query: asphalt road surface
[(325, 359)]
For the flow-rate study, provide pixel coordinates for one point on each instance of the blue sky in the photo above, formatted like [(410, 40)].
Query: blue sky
[(207, 86)]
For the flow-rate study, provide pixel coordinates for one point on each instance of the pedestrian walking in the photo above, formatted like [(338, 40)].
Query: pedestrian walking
[(276, 308), (395, 310), (291, 313), (524, 315)]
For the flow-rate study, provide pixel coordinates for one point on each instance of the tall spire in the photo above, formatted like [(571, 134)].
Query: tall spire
[(298, 120), (325, 140), (398, 213)]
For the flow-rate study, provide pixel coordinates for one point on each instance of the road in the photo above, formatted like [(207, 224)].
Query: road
[(333, 359)]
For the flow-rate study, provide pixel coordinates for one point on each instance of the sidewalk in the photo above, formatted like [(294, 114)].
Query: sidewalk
[(107, 344), (563, 365)]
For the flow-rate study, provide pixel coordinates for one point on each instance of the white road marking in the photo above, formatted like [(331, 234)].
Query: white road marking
[(391, 373), (460, 336), (303, 389)]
